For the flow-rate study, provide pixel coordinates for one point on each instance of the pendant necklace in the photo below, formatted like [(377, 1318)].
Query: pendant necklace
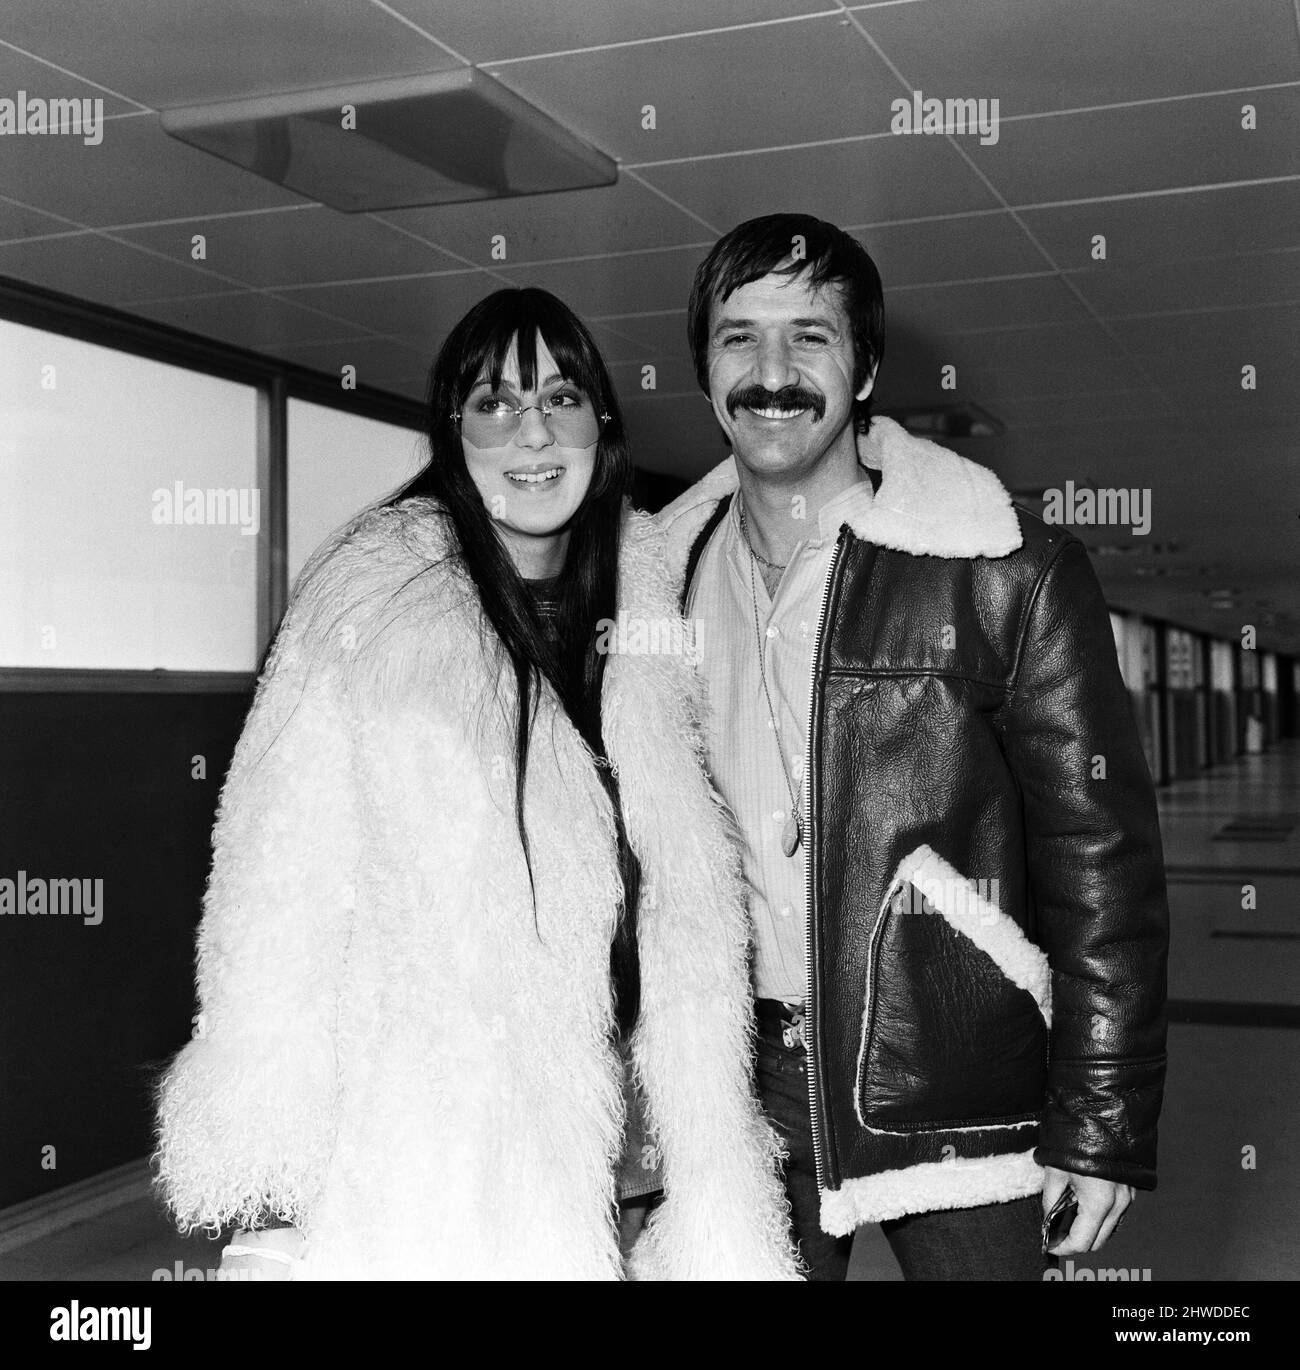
[(792, 829)]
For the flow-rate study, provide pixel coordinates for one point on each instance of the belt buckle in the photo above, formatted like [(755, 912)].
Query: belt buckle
[(792, 1028)]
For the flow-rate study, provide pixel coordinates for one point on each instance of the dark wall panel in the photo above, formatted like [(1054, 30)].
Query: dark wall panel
[(99, 786)]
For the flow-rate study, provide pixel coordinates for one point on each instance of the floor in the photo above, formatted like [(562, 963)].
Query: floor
[(1228, 1181)]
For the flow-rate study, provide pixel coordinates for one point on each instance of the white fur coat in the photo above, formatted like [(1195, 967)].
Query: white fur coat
[(390, 1053)]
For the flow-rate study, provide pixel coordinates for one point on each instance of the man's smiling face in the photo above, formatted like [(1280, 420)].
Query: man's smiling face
[(781, 373)]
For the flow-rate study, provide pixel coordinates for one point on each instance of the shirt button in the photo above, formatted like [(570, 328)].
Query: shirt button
[(786, 910), (773, 631), (778, 816)]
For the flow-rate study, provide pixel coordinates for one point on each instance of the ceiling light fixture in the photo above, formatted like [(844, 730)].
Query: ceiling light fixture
[(440, 138)]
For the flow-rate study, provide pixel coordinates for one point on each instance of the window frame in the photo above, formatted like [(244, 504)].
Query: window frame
[(275, 383)]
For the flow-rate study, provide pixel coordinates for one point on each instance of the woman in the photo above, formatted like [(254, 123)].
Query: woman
[(462, 852)]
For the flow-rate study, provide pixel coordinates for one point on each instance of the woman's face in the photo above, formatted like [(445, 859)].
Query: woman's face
[(532, 480)]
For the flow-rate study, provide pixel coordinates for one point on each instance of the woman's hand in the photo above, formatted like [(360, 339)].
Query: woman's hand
[(264, 1255)]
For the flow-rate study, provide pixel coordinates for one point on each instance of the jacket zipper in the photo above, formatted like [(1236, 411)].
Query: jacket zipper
[(810, 1020)]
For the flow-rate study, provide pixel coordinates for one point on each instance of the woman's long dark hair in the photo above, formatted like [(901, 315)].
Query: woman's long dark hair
[(478, 347)]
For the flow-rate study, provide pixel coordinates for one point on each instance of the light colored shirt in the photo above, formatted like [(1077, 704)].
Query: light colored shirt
[(743, 758)]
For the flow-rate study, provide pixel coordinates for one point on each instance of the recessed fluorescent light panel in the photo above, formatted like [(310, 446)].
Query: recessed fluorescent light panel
[(438, 139)]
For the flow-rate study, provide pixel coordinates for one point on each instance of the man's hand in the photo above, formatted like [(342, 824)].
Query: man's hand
[(1102, 1205)]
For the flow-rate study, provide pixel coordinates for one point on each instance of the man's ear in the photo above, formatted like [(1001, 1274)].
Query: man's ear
[(869, 384)]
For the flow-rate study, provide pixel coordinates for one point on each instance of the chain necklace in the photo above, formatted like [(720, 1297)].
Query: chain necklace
[(792, 829), (771, 565)]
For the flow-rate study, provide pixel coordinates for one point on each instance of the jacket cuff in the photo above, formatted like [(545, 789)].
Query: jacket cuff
[(1100, 1120), (244, 1128)]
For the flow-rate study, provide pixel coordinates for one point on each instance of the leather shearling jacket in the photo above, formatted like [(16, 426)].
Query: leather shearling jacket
[(987, 923)]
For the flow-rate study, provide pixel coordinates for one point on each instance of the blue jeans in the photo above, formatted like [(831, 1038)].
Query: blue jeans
[(1001, 1241)]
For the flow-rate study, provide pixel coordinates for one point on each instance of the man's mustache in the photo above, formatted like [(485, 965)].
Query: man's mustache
[(791, 397)]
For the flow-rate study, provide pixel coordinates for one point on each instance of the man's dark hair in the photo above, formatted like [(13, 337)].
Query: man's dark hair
[(828, 255)]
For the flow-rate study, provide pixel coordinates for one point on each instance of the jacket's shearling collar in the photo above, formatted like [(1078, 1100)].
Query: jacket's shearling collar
[(931, 502)]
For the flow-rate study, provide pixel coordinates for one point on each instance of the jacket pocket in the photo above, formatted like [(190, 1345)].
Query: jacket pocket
[(956, 1008)]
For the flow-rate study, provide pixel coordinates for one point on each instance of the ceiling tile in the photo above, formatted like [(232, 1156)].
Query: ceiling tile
[(1046, 376), (620, 340), (911, 370), (297, 246), (420, 309), (1029, 459), (410, 387), (1164, 228), (40, 81), (18, 221), (670, 378), (1216, 394), (1150, 147), (657, 336), (1223, 338), (91, 267), (944, 310), (376, 359), (1081, 347), (742, 89), (965, 247), (1054, 360), (176, 54), (136, 175), (1035, 55), (674, 436), (862, 182), (1265, 278), (615, 285), (617, 218), (1019, 413), (243, 319), (505, 28)]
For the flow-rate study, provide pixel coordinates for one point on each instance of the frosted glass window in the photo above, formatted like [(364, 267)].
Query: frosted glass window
[(339, 464), (1249, 668), (1221, 665), (1149, 643), (1180, 649), (129, 513)]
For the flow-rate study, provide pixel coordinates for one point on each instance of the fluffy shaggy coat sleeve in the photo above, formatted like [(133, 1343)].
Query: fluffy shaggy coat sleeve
[(724, 1214), (1096, 876), (247, 1109)]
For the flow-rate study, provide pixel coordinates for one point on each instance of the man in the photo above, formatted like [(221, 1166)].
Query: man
[(916, 716)]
